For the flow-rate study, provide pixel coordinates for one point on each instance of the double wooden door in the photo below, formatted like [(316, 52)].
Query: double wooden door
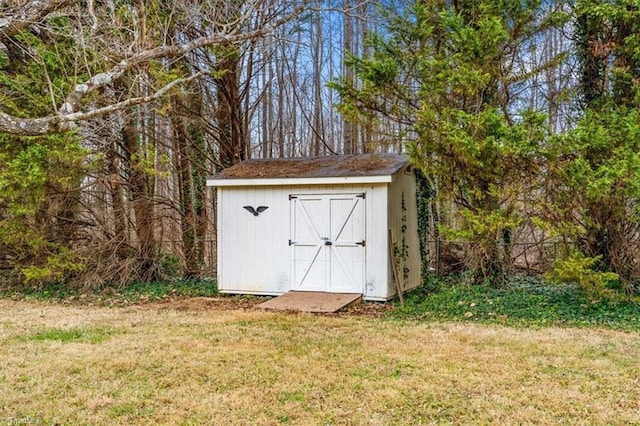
[(328, 242)]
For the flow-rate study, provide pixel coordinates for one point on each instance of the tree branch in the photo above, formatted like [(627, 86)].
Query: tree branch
[(87, 115), (68, 111), (30, 13)]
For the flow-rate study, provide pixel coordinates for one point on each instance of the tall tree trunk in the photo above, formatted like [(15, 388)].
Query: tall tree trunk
[(142, 199), (269, 107), (294, 142), (350, 136), (115, 193), (199, 170), (281, 113), (185, 184), (365, 131), (190, 165), (592, 58), (247, 115), (264, 107), (231, 141), (317, 86)]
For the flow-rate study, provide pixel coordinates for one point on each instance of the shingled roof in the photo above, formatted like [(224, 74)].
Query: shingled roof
[(307, 167)]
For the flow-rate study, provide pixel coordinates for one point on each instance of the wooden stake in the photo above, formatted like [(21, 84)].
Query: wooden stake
[(394, 268)]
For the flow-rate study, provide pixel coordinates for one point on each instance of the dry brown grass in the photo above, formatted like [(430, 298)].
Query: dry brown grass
[(168, 364)]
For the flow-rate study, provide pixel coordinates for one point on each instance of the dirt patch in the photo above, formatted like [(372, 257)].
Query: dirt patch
[(245, 303), (369, 309), (207, 303)]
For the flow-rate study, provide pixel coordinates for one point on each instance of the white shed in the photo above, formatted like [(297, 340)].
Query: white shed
[(317, 224)]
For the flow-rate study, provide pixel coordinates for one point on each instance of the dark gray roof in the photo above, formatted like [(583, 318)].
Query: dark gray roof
[(306, 167)]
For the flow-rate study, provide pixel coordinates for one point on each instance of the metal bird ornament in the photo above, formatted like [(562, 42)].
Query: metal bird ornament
[(255, 212)]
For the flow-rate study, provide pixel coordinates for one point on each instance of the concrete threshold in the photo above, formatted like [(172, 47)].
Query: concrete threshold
[(312, 301)]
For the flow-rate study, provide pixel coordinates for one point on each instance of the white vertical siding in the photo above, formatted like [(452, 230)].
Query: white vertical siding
[(253, 252), (404, 185), (376, 287)]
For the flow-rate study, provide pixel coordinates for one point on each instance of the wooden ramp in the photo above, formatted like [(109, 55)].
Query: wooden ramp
[(312, 301)]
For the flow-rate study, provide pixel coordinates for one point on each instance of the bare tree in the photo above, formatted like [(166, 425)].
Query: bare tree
[(140, 51)]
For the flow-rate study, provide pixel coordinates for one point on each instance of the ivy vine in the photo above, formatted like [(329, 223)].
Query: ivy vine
[(425, 195)]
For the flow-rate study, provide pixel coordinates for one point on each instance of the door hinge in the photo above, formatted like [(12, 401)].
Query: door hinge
[(291, 197), (292, 243), (363, 196), (361, 243)]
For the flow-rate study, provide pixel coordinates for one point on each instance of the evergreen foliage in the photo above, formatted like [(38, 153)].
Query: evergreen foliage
[(594, 191), (40, 177), (446, 71), (594, 168), (443, 70)]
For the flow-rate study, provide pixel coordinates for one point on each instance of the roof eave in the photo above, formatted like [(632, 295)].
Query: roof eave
[(228, 182)]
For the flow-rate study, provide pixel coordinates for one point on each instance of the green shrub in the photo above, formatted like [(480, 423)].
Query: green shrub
[(579, 269)]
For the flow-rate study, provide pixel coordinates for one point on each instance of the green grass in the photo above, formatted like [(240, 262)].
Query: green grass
[(134, 292), (75, 334), (524, 302)]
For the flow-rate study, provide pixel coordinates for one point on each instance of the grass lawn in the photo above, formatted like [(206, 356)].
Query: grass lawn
[(184, 362)]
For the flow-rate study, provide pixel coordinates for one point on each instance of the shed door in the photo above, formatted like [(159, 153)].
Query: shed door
[(328, 242)]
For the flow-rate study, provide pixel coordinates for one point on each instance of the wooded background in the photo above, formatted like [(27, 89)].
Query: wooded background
[(521, 115)]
